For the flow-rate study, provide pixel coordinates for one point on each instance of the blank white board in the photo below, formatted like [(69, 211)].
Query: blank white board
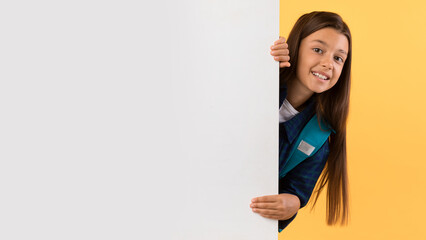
[(137, 120)]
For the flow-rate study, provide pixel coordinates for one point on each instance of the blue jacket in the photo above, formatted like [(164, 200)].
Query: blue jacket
[(301, 180)]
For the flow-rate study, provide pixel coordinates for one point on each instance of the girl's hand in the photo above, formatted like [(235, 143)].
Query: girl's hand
[(279, 207), (280, 52)]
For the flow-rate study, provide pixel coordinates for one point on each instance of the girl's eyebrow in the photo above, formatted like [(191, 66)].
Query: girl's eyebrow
[(325, 44)]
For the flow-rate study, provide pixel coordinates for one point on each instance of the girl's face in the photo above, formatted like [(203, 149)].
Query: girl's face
[(321, 58)]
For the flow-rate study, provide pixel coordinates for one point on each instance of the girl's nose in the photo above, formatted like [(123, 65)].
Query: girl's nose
[(327, 63)]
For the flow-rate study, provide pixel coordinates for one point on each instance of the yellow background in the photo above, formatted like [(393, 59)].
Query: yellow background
[(387, 122)]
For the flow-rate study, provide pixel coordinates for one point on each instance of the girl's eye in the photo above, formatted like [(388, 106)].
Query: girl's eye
[(317, 50), (339, 59)]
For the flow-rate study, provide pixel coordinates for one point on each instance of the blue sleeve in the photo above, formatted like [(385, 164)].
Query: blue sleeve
[(301, 180)]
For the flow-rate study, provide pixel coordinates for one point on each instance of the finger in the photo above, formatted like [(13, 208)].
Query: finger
[(267, 198), (279, 46), (285, 64), (282, 58), (283, 52), (280, 40), (275, 217), (265, 205), (265, 211)]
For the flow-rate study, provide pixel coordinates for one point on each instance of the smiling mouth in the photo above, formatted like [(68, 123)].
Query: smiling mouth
[(320, 76)]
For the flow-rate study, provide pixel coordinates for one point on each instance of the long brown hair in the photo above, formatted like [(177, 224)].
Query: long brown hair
[(331, 105)]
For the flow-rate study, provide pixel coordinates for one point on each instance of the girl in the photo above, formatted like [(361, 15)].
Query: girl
[(315, 81)]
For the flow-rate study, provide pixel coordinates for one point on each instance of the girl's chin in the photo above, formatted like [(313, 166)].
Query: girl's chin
[(321, 86), (319, 89)]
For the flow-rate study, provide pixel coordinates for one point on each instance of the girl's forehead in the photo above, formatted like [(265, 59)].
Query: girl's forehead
[(328, 37)]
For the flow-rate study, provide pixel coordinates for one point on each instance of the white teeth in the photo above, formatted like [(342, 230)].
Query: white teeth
[(320, 76)]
